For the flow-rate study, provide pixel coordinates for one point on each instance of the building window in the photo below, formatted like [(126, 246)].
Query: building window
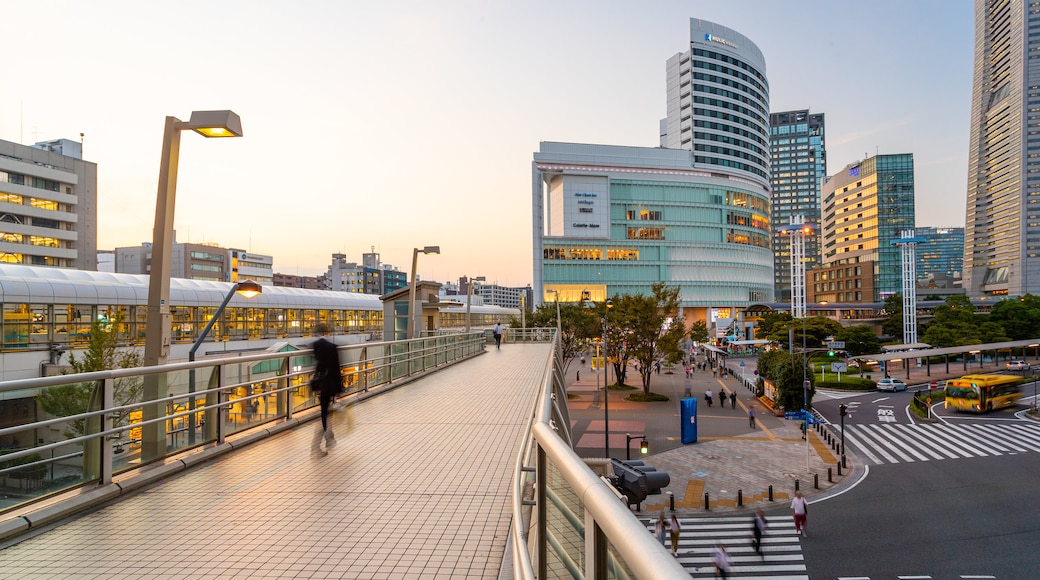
[(646, 233)]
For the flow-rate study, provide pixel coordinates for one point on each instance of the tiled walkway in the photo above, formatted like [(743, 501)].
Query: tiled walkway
[(420, 488)]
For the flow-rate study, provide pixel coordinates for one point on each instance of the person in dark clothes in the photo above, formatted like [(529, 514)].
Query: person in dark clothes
[(328, 383)]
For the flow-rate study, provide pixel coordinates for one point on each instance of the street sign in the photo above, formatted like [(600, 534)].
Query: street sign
[(794, 415), (839, 367), (836, 344), (741, 363)]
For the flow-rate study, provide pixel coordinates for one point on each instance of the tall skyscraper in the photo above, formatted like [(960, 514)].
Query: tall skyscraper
[(1002, 225), (799, 162), (718, 103), (865, 207)]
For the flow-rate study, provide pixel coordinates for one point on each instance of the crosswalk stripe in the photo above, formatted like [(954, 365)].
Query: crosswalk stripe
[(898, 443), (781, 557)]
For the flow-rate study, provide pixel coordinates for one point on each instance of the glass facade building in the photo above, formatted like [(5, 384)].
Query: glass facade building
[(799, 166), (1002, 222), (865, 207), (614, 220), (942, 255)]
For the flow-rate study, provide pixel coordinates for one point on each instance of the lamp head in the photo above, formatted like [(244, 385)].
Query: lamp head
[(431, 250), (248, 288), (610, 303), (215, 123)]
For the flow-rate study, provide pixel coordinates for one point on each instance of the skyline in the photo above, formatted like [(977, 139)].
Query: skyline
[(478, 86)]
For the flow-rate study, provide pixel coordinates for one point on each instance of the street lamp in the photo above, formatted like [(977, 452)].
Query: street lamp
[(798, 230), (411, 291), (606, 390), (246, 289), (469, 294), (557, 295), (157, 325)]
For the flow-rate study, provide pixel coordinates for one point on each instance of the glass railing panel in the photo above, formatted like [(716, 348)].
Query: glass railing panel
[(565, 527)]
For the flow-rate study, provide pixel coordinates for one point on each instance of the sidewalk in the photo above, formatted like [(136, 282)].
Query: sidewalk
[(729, 456)]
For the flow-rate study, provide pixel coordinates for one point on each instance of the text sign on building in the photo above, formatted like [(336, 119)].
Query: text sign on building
[(586, 207)]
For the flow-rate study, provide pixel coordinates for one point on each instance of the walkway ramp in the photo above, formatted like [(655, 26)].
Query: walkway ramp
[(420, 488)]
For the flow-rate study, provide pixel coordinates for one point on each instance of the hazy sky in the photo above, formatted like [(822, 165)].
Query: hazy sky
[(402, 124)]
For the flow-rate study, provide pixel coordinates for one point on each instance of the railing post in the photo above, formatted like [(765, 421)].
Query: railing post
[(223, 411), (107, 454), (541, 527)]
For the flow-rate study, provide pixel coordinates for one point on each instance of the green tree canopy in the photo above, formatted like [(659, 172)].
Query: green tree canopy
[(786, 372), (646, 329), (816, 329), (859, 340)]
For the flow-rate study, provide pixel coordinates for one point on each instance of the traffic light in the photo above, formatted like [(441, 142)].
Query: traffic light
[(636, 481), (843, 409), (830, 353), (644, 447)]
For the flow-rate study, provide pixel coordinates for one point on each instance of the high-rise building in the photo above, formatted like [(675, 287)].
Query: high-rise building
[(799, 166), (942, 255), (48, 205), (718, 103), (1002, 225), (865, 207)]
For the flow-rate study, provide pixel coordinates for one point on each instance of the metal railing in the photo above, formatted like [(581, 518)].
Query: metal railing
[(568, 522), (98, 426)]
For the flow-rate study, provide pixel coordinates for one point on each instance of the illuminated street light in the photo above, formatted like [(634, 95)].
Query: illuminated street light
[(411, 293), (157, 325), (246, 289), (797, 230)]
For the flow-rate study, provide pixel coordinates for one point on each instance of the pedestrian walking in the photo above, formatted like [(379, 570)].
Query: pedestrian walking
[(498, 336), (751, 417), (714, 372), (674, 528), (758, 529), (660, 527), (328, 383), (733, 399), (709, 397), (800, 509), (720, 557), (722, 397)]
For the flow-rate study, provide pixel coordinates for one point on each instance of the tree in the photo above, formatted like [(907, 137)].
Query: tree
[(785, 371), (771, 319), (650, 328), (698, 331), (816, 329), (893, 311), (103, 353), (577, 326), (859, 340), (1020, 318)]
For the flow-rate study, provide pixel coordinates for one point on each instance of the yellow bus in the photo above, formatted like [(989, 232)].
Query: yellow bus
[(981, 393)]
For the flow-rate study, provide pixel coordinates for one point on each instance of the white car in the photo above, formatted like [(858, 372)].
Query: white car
[(1017, 365), (891, 385)]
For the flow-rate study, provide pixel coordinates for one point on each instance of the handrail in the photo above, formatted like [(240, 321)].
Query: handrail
[(639, 549)]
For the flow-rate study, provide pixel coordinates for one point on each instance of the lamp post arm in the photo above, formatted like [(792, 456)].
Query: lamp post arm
[(212, 321)]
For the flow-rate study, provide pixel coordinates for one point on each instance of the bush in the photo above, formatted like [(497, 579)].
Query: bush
[(847, 384), (641, 397)]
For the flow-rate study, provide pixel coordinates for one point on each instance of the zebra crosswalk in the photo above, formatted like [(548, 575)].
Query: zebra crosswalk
[(880, 444), (781, 556)]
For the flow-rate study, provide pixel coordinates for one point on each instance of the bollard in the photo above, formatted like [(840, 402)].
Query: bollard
[(816, 481), (830, 475), (770, 490), (843, 462), (839, 469), (671, 501), (706, 507), (796, 483), (740, 498)]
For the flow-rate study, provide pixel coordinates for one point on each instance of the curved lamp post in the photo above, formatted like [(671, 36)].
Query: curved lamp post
[(246, 289), (606, 390), (157, 325), (469, 295), (411, 292)]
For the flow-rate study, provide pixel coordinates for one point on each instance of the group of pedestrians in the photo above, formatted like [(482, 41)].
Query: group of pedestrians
[(732, 397)]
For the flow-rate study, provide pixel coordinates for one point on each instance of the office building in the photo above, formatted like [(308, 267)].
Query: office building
[(369, 277), (942, 255), (294, 281), (718, 103), (48, 205), (1002, 224), (206, 261), (865, 207), (799, 166)]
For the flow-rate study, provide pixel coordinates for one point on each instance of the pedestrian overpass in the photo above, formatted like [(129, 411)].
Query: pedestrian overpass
[(458, 464)]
